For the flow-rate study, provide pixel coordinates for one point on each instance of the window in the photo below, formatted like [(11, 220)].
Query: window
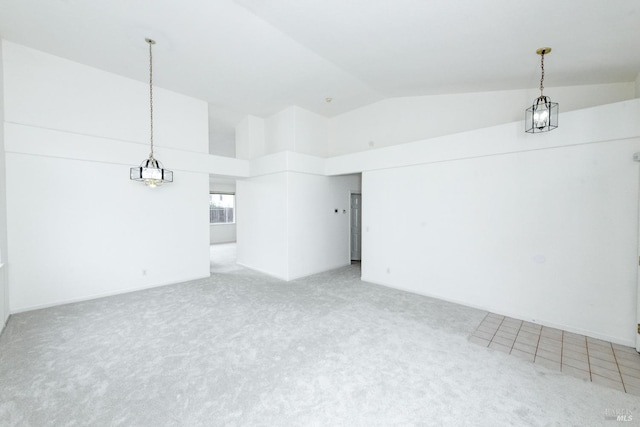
[(221, 208)]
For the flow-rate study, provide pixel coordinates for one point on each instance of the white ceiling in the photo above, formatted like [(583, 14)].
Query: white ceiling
[(259, 56)]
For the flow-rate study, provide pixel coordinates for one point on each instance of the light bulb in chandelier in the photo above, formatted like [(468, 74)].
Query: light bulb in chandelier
[(541, 118), (541, 110), (151, 173)]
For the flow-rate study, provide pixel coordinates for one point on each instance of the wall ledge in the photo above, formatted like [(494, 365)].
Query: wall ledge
[(584, 125)]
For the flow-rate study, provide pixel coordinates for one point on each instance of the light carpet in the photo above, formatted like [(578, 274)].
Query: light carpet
[(242, 349)]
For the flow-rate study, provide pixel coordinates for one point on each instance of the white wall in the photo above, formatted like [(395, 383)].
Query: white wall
[(261, 223), (298, 130), (222, 139), (318, 236), (222, 233), (78, 227), (287, 226), (77, 238), (539, 227), (400, 120), (4, 288), (311, 133), (280, 131), (250, 138), (80, 99)]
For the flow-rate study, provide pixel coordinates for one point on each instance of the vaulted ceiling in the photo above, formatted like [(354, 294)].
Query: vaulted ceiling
[(259, 56)]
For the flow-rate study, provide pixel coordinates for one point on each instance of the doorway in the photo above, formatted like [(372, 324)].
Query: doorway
[(355, 229)]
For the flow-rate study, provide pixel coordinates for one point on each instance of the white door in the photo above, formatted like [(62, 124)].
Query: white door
[(356, 226)]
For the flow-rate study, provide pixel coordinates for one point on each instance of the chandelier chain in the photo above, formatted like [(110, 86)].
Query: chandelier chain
[(542, 76), (151, 95)]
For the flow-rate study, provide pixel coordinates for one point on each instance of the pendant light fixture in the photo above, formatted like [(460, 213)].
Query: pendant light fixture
[(542, 116), (150, 171)]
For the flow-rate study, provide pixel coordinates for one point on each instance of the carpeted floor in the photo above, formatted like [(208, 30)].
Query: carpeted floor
[(241, 348)]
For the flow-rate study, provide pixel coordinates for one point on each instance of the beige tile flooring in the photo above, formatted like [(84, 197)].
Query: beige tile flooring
[(601, 362)]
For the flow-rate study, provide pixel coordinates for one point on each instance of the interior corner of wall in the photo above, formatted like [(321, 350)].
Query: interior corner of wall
[(287, 234)]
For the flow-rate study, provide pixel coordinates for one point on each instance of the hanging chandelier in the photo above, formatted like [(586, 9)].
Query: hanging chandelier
[(542, 116), (150, 171)]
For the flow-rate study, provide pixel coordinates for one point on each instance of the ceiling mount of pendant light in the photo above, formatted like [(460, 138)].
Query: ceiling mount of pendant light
[(542, 116), (151, 172)]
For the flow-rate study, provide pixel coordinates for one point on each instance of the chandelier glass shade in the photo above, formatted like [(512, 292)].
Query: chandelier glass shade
[(151, 173)]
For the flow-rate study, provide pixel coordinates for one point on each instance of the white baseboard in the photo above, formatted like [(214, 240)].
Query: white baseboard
[(100, 295)]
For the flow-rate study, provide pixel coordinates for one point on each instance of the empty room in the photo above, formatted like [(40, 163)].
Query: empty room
[(323, 213)]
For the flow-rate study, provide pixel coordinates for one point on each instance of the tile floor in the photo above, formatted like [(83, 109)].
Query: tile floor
[(601, 362)]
